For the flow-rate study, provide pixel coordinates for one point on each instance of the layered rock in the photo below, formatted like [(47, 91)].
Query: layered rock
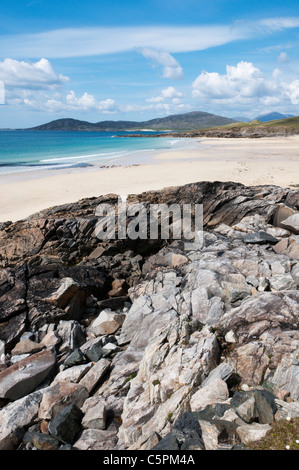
[(143, 344)]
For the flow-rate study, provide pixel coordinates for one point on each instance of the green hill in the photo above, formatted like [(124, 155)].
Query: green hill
[(176, 122)]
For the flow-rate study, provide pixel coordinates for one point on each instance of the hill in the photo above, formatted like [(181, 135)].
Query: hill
[(273, 117), (253, 129), (176, 122)]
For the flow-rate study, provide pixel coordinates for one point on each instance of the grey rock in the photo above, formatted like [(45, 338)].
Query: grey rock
[(292, 223), (106, 323), (23, 377), (56, 397), (16, 416), (259, 238), (75, 358), (96, 439), (95, 374), (95, 417), (169, 442), (252, 432), (41, 441), (67, 424), (71, 334), (73, 374)]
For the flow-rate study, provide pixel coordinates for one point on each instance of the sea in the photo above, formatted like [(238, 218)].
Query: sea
[(27, 151)]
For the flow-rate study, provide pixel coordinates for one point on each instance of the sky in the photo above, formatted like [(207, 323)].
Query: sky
[(136, 60)]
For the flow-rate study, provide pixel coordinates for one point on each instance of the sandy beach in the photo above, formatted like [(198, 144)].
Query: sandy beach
[(249, 161)]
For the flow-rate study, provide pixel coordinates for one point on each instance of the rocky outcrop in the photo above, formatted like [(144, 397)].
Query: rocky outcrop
[(143, 344)]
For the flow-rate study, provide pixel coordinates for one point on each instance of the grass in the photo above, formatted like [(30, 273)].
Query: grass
[(288, 122), (284, 435), (132, 376)]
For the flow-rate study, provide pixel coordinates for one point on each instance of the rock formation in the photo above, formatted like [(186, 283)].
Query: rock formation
[(140, 344)]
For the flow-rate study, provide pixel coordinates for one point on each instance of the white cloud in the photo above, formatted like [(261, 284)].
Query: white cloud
[(88, 102), (37, 75), (283, 58), (169, 94), (171, 67), (240, 82), (80, 42), (2, 92), (57, 102), (279, 23), (245, 87), (292, 91)]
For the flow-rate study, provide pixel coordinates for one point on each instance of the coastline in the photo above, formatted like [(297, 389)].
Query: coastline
[(273, 160)]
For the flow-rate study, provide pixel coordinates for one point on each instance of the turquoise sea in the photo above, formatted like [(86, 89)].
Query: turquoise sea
[(22, 151)]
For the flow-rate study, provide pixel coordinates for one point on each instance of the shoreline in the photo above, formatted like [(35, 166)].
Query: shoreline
[(273, 161)]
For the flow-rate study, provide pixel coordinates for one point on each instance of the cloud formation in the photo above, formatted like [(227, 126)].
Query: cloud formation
[(243, 86), (38, 75), (171, 67), (80, 42)]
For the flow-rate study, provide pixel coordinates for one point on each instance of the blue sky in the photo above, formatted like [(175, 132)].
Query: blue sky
[(132, 60)]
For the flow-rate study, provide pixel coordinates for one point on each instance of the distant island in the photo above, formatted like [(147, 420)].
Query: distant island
[(191, 122), (176, 122)]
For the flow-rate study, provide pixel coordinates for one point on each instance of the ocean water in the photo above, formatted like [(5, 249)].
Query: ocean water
[(23, 151)]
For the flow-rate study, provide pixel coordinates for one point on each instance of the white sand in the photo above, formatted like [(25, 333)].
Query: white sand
[(248, 161)]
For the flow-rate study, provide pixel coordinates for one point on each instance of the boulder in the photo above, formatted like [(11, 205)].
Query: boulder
[(73, 374), (41, 441), (260, 238), (26, 346), (58, 396), (23, 377), (253, 432), (292, 223), (15, 417), (95, 417), (107, 323), (96, 439), (66, 425), (95, 374), (215, 391)]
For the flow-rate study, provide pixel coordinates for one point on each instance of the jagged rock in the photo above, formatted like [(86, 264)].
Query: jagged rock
[(41, 441), (292, 223), (15, 417), (213, 392), (223, 372), (95, 374), (95, 439), (282, 282), (95, 417), (166, 376), (227, 311), (67, 424), (282, 212), (253, 432), (75, 358), (26, 346), (51, 339), (286, 410), (17, 358), (259, 237), (73, 374), (58, 396), (169, 442), (255, 405), (285, 377), (106, 323), (23, 377), (71, 334)]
